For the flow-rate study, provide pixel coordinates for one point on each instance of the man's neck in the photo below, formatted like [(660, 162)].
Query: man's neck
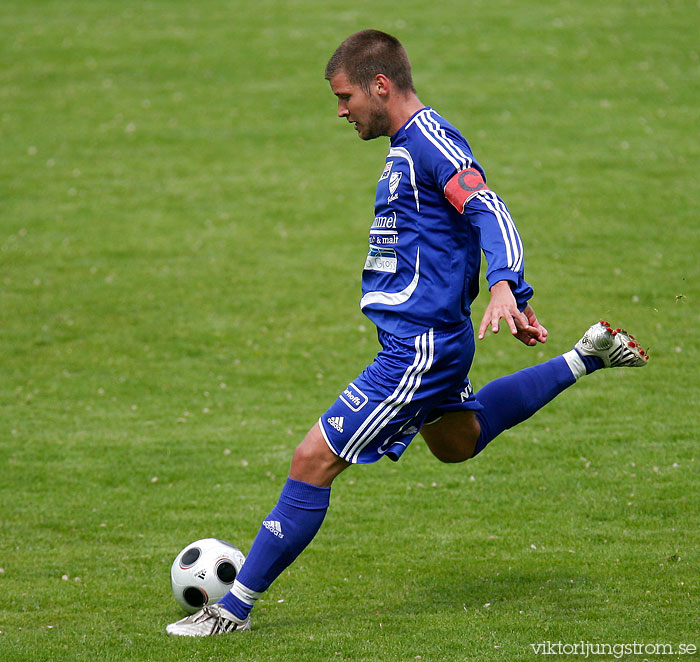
[(404, 108)]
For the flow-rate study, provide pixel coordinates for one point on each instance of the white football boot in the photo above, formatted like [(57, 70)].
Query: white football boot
[(212, 619), (615, 347)]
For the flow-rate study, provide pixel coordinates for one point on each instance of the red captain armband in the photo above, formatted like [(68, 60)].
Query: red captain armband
[(463, 187)]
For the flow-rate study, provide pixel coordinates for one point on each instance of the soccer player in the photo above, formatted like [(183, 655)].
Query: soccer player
[(434, 215)]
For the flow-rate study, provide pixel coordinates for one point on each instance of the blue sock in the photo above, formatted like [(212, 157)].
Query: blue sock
[(285, 533), (511, 399), (592, 363)]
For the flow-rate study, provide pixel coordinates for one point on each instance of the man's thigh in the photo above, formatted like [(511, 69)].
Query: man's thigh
[(381, 411), (453, 437)]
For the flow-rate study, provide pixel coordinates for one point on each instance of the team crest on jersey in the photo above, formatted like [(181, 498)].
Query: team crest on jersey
[(394, 181), (387, 170)]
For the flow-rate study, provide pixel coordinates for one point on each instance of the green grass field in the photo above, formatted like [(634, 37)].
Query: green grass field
[(183, 221)]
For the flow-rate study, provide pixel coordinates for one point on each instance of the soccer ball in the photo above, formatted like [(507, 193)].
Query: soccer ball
[(204, 571)]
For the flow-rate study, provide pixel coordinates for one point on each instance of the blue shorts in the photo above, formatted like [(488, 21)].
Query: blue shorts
[(410, 382)]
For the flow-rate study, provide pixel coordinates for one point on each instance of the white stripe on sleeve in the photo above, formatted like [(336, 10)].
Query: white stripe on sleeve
[(488, 199)]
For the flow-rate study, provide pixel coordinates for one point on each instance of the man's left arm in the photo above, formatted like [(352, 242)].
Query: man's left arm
[(503, 248)]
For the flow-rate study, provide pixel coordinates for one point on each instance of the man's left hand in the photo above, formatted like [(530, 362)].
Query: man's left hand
[(502, 305)]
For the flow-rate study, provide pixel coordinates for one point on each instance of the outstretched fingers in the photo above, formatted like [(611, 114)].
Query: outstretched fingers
[(523, 325)]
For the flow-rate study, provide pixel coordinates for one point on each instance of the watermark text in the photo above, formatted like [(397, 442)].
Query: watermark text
[(619, 650)]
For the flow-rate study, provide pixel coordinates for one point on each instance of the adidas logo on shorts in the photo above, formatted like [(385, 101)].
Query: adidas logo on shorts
[(337, 422)]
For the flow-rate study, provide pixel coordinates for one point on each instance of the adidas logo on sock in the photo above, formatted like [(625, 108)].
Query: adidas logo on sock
[(337, 422), (274, 527)]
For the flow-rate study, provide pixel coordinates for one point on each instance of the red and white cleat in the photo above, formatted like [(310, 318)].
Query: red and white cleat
[(615, 347)]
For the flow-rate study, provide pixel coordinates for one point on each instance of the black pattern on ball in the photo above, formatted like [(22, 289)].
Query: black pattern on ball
[(190, 557), (226, 572), (194, 596)]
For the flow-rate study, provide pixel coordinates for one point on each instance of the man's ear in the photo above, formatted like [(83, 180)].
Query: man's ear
[(381, 84)]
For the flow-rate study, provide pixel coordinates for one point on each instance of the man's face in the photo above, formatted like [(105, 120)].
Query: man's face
[(365, 111)]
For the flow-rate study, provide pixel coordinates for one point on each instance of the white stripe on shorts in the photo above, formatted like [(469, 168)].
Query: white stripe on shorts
[(392, 405)]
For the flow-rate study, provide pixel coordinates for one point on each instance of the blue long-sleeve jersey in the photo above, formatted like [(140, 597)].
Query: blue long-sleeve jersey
[(434, 215)]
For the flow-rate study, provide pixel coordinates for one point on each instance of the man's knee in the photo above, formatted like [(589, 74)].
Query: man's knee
[(307, 453), (314, 462)]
